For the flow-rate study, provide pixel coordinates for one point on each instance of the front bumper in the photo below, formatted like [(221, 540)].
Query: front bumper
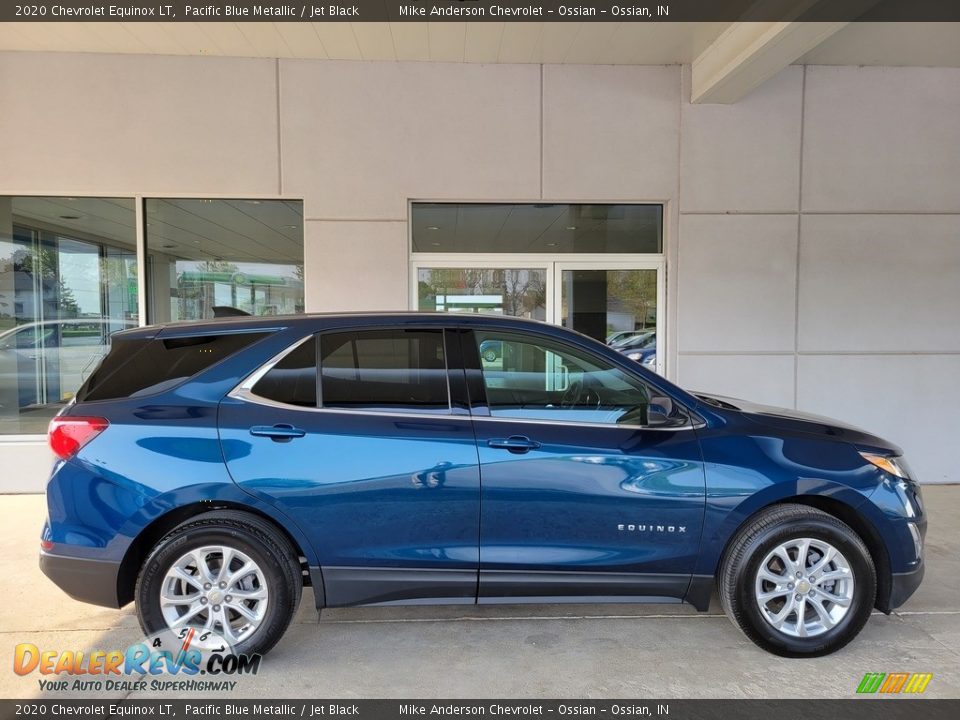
[(90, 581), (903, 585)]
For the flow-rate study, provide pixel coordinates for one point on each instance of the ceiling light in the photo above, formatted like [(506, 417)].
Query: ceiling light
[(291, 227), (436, 244), (432, 227), (551, 244), (252, 202), (571, 227), (196, 242)]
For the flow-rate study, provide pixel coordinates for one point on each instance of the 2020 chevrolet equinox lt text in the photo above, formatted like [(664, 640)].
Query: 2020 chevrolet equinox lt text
[(208, 471)]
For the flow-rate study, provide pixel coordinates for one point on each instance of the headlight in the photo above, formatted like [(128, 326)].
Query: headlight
[(888, 463)]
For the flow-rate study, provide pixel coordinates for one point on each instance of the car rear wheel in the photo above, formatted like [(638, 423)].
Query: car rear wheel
[(223, 572), (798, 581)]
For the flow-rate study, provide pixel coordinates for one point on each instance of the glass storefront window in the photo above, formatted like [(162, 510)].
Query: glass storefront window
[(556, 228), (596, 267), (242, 255), (68, 280)]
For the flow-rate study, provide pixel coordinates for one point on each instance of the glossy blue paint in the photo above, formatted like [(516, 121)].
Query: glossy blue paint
[(590, 498), (428, 492), (370, 490)]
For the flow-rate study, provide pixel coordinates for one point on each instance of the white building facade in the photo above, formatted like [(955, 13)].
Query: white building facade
[(809, 235)]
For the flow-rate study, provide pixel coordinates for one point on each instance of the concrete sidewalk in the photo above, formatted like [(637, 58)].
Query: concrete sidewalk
[(511, 651)]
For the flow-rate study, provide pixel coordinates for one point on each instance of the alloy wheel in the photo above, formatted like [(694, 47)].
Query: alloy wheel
[(804, 587), (215, 588)]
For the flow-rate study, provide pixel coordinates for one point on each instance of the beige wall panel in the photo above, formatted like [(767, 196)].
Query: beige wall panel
[(356, 266), (610, 132), (360, 139), (737, 282), (130, 124)]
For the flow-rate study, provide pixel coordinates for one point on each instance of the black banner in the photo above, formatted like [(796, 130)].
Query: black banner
[(482, 11), (878, 708)]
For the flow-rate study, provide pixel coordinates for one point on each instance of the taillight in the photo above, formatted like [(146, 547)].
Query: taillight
[(68, 434)]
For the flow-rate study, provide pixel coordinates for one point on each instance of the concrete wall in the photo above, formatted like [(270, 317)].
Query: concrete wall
[(819, 251), (813, 229)]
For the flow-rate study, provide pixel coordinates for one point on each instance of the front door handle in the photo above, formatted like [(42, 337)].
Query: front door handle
[(517, 444), (280, 432)]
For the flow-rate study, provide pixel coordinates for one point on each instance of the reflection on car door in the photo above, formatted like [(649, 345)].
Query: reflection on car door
[(380, 471), (578, 498)]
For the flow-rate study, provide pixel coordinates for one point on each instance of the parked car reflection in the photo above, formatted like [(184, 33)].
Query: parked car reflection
[(45, 362), (642, 348)]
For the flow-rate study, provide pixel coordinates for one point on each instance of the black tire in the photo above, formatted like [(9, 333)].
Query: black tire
[(259, 540), (764, 532)]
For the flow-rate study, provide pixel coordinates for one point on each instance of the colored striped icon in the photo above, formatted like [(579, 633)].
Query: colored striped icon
[(892, 683)]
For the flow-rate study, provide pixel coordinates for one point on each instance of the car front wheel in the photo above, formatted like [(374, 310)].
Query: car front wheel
[(227, 573), (798, 581)]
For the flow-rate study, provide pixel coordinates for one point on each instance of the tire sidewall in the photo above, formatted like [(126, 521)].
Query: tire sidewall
[(166, 553), (864, 579)]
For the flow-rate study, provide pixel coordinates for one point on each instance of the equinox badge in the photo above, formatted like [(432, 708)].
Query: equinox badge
[(652, 528)]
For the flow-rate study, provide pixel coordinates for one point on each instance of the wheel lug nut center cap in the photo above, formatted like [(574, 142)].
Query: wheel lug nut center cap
[(215, 596), (803, 587)]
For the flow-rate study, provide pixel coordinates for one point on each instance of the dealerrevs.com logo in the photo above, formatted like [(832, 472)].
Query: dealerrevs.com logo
[(894, 683), (167, 661)]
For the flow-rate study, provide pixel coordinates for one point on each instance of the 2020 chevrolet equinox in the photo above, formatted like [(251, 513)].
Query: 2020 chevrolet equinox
[(208, 471)]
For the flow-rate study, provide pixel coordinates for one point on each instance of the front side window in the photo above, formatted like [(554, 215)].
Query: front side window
[(384, 370), (539, 379)]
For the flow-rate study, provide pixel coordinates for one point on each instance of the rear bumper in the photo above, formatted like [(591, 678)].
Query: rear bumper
[(903, 585), (90, 581)]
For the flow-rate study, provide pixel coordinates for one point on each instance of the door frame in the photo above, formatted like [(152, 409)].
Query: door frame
[(554, 266)]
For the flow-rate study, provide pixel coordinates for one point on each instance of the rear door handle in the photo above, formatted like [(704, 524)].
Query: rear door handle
[(517, 444), (280, 432)]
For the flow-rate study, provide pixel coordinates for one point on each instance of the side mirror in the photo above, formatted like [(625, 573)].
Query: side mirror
[(659, 410)]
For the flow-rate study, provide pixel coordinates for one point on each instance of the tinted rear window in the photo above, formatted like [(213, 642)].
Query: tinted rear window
[(388, 369), (293, 380), (143, 367)]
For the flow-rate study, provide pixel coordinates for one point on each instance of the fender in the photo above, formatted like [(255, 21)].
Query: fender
[(211, 494), (725, 514)]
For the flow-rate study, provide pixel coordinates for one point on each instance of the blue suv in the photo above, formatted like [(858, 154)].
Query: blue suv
[(208, 471)]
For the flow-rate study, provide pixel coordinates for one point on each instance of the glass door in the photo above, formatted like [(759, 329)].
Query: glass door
[(498, 289), (617, 304)]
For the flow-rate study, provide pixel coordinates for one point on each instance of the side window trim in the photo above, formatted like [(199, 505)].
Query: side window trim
[(456, 371), (473, 371)]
